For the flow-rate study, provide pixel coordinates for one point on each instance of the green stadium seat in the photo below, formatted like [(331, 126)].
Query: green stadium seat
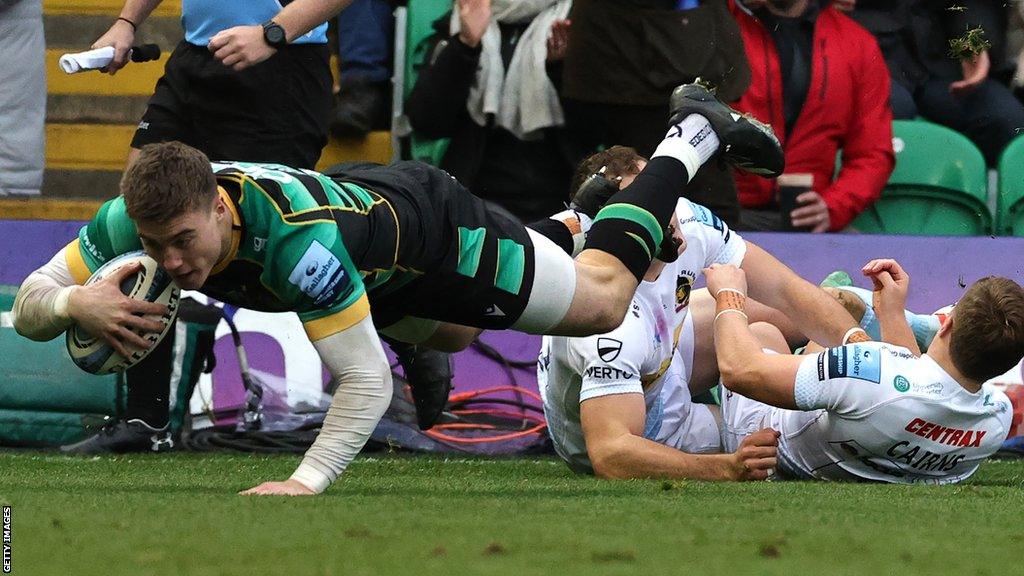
[(939, 186), (419, 27), (1010, 207)]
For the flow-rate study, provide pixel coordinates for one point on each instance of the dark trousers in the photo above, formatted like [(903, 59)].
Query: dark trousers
[(275, 111), (643, 128), (990, 116), (366, 29)]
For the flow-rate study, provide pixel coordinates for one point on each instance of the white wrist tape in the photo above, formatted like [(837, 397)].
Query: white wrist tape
[(849, 334), (734, 311), (730, 290)]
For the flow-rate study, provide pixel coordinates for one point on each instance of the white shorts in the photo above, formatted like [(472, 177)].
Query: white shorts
[(554, 284), (741, 417)]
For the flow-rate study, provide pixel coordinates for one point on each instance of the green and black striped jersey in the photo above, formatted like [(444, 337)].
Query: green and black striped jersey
[(295, 232), (405, 238)]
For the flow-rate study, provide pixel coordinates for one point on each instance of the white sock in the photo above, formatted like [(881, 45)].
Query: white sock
[(691, 141)]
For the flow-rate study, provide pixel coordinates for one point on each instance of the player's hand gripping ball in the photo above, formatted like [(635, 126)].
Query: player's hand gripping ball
[(152, 284)]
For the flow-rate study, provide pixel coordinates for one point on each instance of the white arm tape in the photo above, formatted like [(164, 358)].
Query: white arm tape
[(356, 360), (41, 306)]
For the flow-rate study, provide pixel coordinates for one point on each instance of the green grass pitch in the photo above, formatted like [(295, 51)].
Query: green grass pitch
[(178, 514)]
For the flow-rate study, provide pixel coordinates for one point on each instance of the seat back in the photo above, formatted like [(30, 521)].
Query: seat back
[(938, 188), (1010, 206)]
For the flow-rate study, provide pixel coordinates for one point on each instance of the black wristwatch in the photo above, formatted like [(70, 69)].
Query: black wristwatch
[(274, 35)]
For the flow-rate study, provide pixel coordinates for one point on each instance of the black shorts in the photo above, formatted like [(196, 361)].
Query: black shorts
[(474, 265), (276, 111)]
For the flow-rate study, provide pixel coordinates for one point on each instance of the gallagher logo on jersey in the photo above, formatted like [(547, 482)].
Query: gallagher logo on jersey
[(855, 361), (317, 273)]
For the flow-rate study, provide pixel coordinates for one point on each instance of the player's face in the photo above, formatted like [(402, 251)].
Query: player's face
[(187, 247)]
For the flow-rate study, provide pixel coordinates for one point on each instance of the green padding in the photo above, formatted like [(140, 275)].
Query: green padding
[(7, 294), (34, 428), (471, 245), (633, 214), (511, 263), (40, 376)]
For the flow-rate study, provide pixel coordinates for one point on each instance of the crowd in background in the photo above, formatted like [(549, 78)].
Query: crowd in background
[(524, 89), (829, 76)]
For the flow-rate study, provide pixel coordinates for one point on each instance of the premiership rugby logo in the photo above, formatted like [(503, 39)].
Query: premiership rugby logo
[(608, 348)]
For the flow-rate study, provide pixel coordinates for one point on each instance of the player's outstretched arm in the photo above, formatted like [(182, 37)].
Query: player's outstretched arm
[(613, 429), (744, 366), (49, 301), (819, 316), (889, 298), (356, 360)]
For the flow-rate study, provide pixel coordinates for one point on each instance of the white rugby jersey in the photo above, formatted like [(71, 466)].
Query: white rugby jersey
[(879, 413), (649, 354)]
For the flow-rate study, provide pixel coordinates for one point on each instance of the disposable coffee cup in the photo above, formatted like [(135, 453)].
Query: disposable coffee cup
[(790, 187)]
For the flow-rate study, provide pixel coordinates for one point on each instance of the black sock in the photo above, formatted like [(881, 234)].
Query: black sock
[(554, 230), (632, 224), (148, 384)]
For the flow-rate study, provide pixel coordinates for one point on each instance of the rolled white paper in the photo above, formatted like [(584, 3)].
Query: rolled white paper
[(89, 60)]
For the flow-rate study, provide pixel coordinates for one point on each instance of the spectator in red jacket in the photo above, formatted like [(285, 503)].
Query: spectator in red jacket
[(820, 80)]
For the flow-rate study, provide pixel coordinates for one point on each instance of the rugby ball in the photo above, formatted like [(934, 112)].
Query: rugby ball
[(150, 283)]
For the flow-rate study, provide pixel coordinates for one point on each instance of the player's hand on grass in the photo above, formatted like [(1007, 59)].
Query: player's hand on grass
[(102, 310), (286, 488), (756, 458), (121, 36), (891, 284), (725, 276), (240, 47)]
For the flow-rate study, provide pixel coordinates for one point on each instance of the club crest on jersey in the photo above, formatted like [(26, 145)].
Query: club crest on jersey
[(901, 384), (855, 361), (608, 348), (684, 285), (317, 273)]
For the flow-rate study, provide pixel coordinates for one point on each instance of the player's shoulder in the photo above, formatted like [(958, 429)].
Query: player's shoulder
[(109, 233), (697, 220), (999, 404), (862, 361), (691, 214), (627, 344), (113, 210)]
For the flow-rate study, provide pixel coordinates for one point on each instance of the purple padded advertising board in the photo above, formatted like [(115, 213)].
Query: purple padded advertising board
[(939, 267)]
